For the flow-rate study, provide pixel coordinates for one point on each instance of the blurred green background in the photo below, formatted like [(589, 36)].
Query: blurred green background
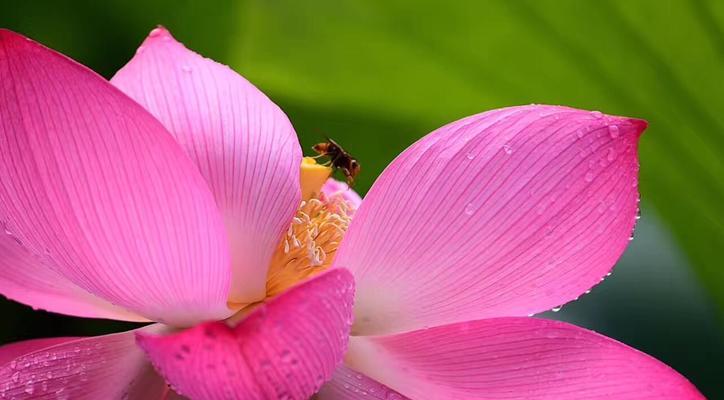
[(377, 75)]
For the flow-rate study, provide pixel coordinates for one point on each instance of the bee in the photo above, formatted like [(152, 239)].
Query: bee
[(339, 159)]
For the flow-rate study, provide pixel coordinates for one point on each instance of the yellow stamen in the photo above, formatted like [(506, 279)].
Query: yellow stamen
[(309, 245), (312, 177)]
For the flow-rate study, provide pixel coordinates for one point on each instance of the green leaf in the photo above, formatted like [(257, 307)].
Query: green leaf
[(105, 34), (379, 74)]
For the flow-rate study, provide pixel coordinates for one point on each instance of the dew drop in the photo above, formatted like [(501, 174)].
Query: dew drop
[(470, 156), (548, 230), (589, 176), (613, 131), (186, 68), (286, 355), (556, 309), (155, 32), (507, 149), (597, 114), (580, 133), (611, 155), (30, 388), (469, 209)]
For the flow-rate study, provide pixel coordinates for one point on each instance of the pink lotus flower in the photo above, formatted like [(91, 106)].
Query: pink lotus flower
[(172, 194)]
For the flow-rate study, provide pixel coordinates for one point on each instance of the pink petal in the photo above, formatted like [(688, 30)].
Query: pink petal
[(97, 191), (505, 213), (348, 384), (333, 188), (102, 367), (515, 358), (26, 280), (12, 351), (287, 347), (243, 144)]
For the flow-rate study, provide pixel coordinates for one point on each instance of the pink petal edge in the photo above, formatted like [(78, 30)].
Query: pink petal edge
[(100, 194), (506, 213), (101, 367), (286, 348), (243, 144), (514, 358), (348, 384)]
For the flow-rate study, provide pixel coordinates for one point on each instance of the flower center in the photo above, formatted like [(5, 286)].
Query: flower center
[(309, 245)]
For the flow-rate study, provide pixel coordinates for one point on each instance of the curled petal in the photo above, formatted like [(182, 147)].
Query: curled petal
[(284, 349), (97, 191), (515, 358), (505, 213), (243, 144), (102, 367)]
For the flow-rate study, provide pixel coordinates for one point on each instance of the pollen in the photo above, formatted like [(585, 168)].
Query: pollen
[(310, 243)]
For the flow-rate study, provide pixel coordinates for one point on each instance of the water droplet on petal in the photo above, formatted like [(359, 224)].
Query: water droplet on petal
[(507, 149), (611, 154), (556, 309), (30, 388), (286, 355), (589, 176), (597, 114), (613, 131), (186, 68), (155, 32), (470, 156), (469, 209)]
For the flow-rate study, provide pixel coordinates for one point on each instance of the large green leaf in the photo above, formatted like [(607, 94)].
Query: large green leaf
[(364, 72)]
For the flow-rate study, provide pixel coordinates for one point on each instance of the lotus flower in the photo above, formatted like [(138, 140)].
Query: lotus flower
[(173, 194)]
